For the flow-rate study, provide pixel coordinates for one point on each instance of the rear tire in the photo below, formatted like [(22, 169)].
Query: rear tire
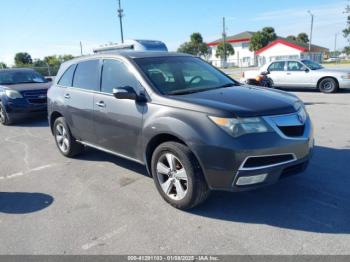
[(66, 143), (178, 176), (5, 119), (328, 85)]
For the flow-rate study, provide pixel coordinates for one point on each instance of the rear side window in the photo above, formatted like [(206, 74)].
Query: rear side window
[(67, 77), (276, 66), (116, 74), (87, 75)]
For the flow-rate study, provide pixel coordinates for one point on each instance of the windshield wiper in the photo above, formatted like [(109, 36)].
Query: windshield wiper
[(186, 92)]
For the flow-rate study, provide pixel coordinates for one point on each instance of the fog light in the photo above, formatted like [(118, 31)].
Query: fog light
[(250, 180)]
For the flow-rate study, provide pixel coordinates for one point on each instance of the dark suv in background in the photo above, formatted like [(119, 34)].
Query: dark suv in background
[(194, 128), (23, 93)]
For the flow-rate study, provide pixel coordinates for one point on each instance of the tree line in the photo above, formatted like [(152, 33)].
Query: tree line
[(24, 59)]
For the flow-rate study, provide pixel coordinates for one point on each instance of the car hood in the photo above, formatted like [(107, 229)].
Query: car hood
[(29, 86), (244, 101)]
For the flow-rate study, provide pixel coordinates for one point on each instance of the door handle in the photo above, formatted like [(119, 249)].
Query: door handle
[(101, 104), (67, 96), (288, 73)]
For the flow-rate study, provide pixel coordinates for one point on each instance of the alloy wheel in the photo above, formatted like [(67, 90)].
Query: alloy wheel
[(172, 176), (62, 138)]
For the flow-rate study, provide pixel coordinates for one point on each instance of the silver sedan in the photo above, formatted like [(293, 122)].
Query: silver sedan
[(306, 74)]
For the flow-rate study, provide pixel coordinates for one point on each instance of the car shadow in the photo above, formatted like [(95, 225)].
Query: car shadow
[(23, 203), (37, 121), (316, 201), (91, 154)]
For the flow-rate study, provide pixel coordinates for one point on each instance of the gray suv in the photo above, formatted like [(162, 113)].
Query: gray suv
[(192, 126)]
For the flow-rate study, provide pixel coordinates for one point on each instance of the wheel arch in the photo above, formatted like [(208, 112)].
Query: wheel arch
[(324, 77), (54, 115), (154, 142)]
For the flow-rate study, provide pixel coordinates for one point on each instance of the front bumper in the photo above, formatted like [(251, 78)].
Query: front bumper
[(20, 109), (224, 164)]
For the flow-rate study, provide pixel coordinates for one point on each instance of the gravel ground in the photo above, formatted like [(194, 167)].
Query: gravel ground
[(101, 204)]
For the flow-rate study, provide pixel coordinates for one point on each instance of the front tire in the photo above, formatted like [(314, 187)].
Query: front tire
[(4, 117), (178, 176), (65, 142), (328, 85)]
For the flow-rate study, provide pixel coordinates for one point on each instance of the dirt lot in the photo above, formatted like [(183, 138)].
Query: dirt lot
[(101, 204)]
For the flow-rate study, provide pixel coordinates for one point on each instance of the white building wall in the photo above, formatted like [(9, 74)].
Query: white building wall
[(243, 57), (278, 52)]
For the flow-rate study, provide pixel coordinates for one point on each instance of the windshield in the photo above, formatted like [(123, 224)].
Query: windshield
[(182, 75), (312, 65), (20, 77)]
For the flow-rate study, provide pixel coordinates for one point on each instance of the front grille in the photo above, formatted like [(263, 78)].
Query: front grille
[(37, 100), (263, 161), (292, 131), (35, 96)]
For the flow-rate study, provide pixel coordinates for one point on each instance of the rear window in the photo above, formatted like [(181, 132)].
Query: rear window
[(87, 75), (67, 77)]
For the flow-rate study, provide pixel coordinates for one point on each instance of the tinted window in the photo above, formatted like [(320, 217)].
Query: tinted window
[(182, 75), (276, 66), (116, 74), (295, 66), (87, 75), (67, 77)]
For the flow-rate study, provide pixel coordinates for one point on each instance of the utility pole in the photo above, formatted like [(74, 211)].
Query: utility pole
[(224, 39), (81, 48), (335, 42), (311, 29), (120, 15)]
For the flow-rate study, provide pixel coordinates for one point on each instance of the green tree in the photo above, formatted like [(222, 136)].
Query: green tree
[(3, 65), (64, 58), (195, 46), (23, 58), (52, 60), (303, 38), (346, 50), (220, 51), (269, 33), (291, 38), (262, 38)]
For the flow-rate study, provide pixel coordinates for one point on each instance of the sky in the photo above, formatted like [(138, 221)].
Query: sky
[(48, 27)]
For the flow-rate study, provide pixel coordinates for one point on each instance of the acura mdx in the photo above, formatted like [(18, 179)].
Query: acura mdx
[(193, 127)]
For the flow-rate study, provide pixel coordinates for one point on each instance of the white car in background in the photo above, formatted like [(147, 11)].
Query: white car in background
[(302, 74)]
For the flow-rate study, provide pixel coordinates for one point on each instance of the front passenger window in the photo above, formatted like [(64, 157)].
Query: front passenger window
[(115, 74), (295, 66)]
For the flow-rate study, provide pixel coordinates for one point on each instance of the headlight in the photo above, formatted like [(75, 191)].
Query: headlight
[(241, 126), (13, 94), (347, 76)]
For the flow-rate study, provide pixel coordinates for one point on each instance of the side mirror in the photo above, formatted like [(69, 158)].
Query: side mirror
[(49, 79), (129, 93), (307, 70)]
